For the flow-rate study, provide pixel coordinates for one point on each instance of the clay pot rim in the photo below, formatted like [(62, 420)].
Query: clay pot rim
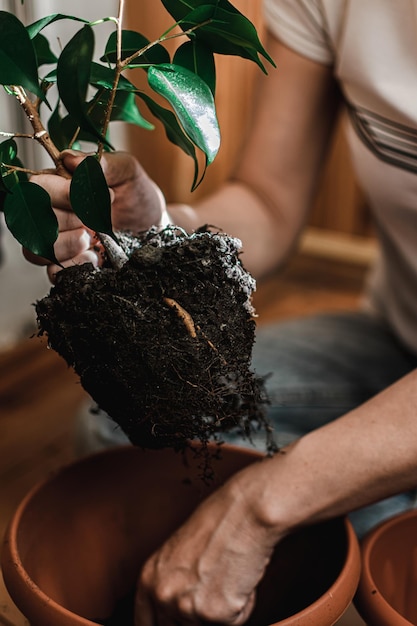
[(16, 572), (351, 567), (10, 552), (367, 587)]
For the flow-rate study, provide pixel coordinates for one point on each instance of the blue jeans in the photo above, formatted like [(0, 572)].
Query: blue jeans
[(319, 368), (323, 366)]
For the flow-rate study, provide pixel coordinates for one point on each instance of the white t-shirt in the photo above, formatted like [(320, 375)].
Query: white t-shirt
[(372, 45)]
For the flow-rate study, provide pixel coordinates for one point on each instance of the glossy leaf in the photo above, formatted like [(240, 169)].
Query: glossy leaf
[(31, 220), (192, 102), (173, 131), (198, 58), (229, 32), (18, 65), (63, 130), (73, 78), (44, 54), (35, 28), (90, 196), (9, 178), (8, 151), (69, 130), (100, 76), (132, 42)]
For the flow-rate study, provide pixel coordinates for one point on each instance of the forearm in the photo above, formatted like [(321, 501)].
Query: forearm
[(238, 211), (365, 456)]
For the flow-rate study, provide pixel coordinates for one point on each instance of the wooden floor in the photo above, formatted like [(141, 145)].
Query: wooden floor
[(39, 395)]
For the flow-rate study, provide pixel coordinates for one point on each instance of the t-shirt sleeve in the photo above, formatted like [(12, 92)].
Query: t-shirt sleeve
[(300, 25)]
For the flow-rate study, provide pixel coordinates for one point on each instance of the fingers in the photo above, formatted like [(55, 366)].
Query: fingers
[(144, 614), (72, 158), (73, 243), (118, 167), (176, 600), (57, 187)]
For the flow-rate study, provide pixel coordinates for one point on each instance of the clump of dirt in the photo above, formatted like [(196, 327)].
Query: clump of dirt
[(163, 345)]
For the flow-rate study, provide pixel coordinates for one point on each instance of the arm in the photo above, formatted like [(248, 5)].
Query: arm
[(209, 569), (267, 201)]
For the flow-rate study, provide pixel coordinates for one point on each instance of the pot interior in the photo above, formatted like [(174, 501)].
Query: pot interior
[(84, 535), (391, 563)]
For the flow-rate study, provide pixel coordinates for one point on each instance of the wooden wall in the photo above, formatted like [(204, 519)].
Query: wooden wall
[(340, 205)]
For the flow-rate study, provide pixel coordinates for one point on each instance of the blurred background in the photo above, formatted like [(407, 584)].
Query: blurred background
[(39, 395)]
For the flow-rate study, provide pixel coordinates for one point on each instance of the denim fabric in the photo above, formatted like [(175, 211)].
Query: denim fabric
[(317, 369), (323, 366)]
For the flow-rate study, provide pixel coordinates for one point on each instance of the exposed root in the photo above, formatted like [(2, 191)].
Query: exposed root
[(183, 315)]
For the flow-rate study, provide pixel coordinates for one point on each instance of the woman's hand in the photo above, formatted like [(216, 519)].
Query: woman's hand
[(137, 204), (209, 569)]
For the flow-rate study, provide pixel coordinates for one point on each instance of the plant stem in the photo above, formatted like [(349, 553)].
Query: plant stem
[(121, 65), (16, 168), (118, 71), (114, 252), (160, 39), (40, 134), (20, 135)]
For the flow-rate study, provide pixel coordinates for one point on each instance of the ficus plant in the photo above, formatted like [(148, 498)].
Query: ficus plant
[(72, 98)]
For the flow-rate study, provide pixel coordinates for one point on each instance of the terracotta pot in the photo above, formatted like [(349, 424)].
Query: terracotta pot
[(387, 590), (76, 543)]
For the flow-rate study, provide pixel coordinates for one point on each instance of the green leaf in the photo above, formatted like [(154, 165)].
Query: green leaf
[(8, 151), (9, 178), (73, 78), (103, 76), (90, 196), (44, 54), (192, 102), (198, 58), (18, 64), (35, 28), (173, 131), (57, 132), (31, 220), (229, 31), (132, 42), (100, 76)]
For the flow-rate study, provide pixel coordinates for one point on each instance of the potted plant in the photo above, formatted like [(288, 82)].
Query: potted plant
[(172, 293)]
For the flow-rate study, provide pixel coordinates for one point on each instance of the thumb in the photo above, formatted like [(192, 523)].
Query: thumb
[(72, 158)]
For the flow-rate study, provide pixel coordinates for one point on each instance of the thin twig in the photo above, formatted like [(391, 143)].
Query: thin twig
[(16, 168), (117, 74), (19, 135), (161, 39)]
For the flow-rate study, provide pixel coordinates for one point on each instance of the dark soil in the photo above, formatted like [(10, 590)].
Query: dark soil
[(163, 345)]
